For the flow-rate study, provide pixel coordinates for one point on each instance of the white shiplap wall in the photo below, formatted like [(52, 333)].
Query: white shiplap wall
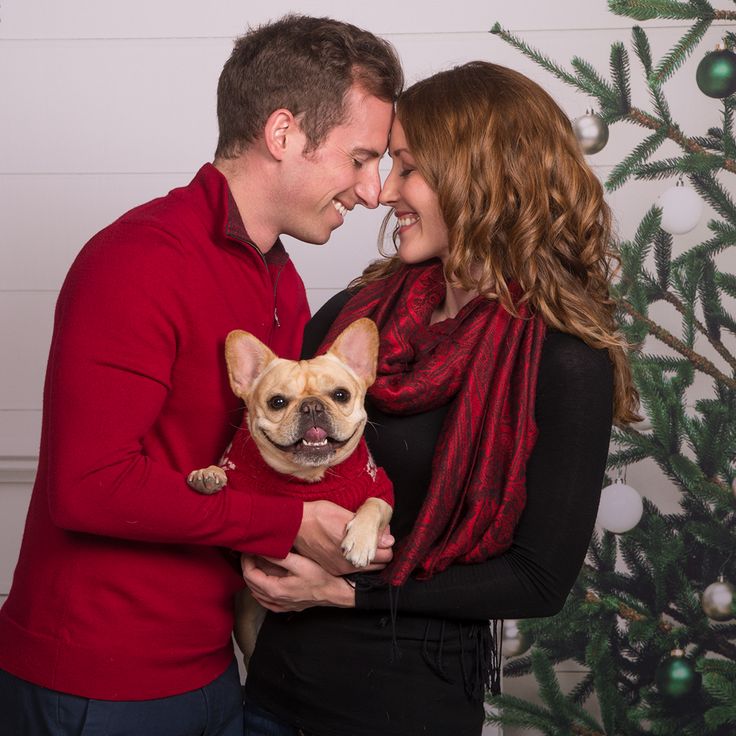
[(107, 105)]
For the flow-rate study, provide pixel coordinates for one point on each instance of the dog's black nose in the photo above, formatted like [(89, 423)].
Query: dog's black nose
[(311, 406)]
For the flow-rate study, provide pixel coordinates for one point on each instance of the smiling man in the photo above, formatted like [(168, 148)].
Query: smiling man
[(120, 610)]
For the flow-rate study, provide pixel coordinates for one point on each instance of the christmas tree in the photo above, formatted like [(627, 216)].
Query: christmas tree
[(651, 617)]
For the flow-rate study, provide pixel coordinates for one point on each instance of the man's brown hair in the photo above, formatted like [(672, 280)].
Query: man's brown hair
[(305, 65)]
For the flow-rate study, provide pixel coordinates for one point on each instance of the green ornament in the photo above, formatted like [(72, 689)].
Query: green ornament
[(716, 74), (676, 676)]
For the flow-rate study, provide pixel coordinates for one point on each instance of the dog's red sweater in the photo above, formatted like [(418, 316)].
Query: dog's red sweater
[(123, 589), (348, 484)]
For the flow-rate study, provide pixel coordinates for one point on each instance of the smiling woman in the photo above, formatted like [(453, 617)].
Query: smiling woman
[(499, 373)]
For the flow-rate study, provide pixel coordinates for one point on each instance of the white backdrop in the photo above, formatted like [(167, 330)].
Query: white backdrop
[(107, 105)]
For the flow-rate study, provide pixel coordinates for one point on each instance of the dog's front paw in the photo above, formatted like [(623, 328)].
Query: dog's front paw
[(360, 542), (207, 480)]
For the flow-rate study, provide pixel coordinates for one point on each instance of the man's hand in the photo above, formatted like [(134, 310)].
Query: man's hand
[(322, 531), (294, 583)]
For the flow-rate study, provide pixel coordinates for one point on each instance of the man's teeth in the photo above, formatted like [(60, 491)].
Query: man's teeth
[(321, 443), (408, 220), (341, 208)]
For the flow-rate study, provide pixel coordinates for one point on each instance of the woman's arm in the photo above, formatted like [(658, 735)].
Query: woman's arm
[(564, 476)]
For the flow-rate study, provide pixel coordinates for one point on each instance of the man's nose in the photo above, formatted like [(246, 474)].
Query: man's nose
[(368, 189)]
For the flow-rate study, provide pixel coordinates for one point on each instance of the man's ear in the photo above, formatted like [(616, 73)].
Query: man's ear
[(246, 357), (281, 131)]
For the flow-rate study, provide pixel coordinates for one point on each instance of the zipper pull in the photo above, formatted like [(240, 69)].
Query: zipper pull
[(276, 317)]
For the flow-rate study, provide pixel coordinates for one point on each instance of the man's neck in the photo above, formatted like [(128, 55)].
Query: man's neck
[(252, 200)]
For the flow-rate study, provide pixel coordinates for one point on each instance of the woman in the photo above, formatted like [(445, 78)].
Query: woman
[(499, 376)]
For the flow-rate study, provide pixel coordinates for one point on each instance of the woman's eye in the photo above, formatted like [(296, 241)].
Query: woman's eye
[(278, 402), (405, 172), (341, 395)]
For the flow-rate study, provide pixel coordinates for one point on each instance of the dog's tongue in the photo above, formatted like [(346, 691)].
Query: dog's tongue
[(315, 434)]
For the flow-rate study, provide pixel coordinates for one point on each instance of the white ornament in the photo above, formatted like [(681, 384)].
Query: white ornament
[(620, 508), (682, 209), (514, 642)]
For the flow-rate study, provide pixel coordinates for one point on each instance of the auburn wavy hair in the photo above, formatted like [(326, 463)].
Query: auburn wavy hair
[(520, 204)]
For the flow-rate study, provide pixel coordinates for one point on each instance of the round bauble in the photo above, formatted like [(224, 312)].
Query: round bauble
[(718, 600), (682, 209), (676, 676), (620, 508), (591, 130), (514, 642), (716, 74)]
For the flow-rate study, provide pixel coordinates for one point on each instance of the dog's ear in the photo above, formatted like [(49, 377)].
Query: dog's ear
[(357, 346), (246, 357)]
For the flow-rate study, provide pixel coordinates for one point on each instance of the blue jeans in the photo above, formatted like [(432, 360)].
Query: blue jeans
[(259, 722), (30, 710)]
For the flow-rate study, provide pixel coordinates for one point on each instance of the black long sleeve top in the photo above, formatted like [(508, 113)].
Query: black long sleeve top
[(573, 412)]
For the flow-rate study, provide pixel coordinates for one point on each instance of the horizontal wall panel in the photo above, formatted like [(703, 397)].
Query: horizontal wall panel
[(149, 106), (26, 320), (23, 19), (20, 433), (46, 218), (14, 499)]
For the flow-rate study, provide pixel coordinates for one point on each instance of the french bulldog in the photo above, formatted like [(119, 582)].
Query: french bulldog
[(304, 417)]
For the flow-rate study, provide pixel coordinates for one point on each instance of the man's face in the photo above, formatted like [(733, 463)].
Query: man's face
[(322, 187)]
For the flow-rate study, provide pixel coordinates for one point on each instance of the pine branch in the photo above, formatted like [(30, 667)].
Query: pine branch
[(701, 363), (678, 55), (648, 9), (642, 49), (599, 86), (539, 58), (711, 190), (636, 158), (720, 348), (620, 73), (675, 134)]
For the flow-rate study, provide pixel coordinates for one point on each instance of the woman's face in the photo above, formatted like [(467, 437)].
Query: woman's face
[(422, 232)]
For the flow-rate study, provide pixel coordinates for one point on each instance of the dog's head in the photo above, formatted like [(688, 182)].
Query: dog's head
[(305, 415)]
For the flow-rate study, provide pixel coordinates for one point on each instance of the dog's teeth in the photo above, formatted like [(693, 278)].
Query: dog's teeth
[(321, 443)]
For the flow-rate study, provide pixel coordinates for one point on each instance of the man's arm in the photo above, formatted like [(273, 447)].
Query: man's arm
[(112, 369)]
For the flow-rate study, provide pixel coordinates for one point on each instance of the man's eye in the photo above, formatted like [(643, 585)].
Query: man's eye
[(341, 395), (357, 163), (278, 402)]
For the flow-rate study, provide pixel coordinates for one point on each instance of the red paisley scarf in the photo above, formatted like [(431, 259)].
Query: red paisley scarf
[(487, 362)]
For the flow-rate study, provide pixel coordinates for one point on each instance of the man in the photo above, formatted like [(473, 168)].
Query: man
[(121, 606)]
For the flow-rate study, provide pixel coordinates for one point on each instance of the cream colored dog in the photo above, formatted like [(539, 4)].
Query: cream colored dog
[(304, 417)]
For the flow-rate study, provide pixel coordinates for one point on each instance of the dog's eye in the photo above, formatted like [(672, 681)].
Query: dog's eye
[(278, 402), (341, 395)]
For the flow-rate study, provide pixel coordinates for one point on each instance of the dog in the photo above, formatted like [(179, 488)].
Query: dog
[(304, 417)]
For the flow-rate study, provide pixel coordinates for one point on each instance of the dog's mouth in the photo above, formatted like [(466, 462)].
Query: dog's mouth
[(315, 447)]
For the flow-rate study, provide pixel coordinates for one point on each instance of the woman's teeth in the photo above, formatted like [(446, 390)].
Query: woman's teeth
[(407, 220)]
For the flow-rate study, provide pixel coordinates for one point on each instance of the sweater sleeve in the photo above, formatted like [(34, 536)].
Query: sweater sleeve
[(112, 369), (534, 576)]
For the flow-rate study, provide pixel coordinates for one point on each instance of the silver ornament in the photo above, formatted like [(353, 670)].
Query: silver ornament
[(591, 131), (514, 641), (718, 600)]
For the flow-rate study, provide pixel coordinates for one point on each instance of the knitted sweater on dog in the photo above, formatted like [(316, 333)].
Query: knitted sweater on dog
[(348, 484)]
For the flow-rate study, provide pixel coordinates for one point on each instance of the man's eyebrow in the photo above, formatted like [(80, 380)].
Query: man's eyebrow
[(366, 153)]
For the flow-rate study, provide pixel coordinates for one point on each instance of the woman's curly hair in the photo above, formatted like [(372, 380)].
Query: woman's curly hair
[(520, 204)]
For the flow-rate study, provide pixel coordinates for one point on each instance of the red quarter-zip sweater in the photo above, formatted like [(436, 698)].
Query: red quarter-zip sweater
[(124, 585)]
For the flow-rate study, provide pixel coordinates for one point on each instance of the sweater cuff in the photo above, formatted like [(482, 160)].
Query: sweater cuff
[(271, 525)]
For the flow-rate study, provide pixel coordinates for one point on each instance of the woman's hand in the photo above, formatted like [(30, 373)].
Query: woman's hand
[(296, 583)]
